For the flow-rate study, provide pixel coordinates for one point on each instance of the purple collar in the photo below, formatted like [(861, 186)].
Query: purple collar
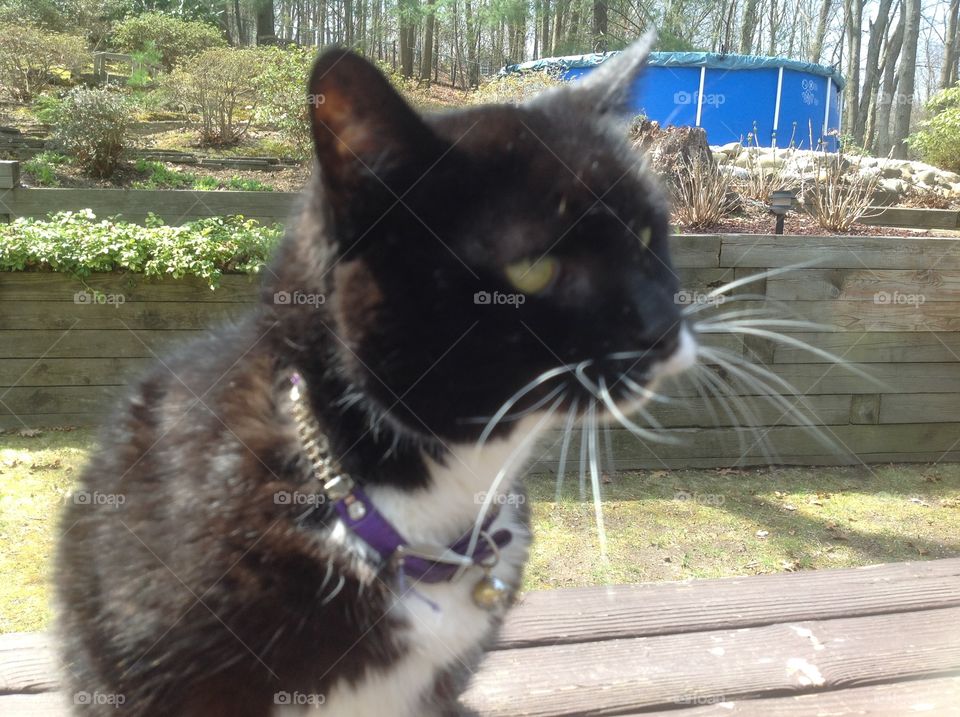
[(423, 563), (426, 564)]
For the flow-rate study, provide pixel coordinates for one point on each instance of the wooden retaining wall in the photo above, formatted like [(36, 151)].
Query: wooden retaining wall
[(892, 307), (176, 206)]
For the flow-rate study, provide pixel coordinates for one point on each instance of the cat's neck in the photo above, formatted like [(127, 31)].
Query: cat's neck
[(431, 489)]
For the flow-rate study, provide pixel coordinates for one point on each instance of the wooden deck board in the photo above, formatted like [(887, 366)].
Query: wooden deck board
[(879, 640)]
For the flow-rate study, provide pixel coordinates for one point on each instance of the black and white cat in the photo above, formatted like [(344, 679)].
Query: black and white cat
[(300, 527)]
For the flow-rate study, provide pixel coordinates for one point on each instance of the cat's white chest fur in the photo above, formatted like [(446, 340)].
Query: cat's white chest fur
[(445, 624)]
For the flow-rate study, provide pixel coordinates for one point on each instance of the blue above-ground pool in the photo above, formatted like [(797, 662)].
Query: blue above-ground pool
[(730, 96)]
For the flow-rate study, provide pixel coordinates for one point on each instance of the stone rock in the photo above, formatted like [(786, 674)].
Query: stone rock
[(889, 184), (928, 177), (891, 172), (731, 149)]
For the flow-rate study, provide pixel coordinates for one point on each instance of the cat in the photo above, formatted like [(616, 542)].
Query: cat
[(299, 525)]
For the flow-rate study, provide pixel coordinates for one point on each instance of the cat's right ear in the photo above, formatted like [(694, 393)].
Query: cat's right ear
[(363, 130)]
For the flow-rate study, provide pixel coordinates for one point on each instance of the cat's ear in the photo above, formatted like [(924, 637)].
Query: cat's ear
[(363, 130), (608, 89)]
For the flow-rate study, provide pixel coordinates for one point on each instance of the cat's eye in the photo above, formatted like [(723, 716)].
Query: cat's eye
[(533, 277)]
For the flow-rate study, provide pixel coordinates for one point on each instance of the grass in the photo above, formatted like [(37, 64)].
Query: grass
[(160, 176), (36, 473), (673, 525), (660, 525)]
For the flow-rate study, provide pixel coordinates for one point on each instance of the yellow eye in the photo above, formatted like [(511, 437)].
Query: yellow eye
[(532, 277)]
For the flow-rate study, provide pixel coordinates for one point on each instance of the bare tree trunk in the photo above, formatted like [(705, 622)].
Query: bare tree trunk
[(573, 29), (816, 49), (600, 43), (546, 49), (948, 73), (853, 20), (771, 48), (426, 62), (266, 30), (748, 27), (906, 76), (559, 25), (871, 77), (888, 88), (408, 36), (473, 69)]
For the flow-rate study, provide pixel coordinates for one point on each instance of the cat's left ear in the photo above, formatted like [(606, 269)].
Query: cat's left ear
[(363, 130), (607, 90)]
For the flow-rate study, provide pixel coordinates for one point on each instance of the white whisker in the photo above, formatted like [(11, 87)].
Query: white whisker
[(774, 397), (595, 481), (509, 403), (636, 430), (521, 449), (743, 281), (803, 345), (511, 417), (565, 446)]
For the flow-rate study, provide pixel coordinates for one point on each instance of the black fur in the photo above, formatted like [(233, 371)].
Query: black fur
[(199, 594)]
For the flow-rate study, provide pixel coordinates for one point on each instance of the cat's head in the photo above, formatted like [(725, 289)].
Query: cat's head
[(464, 254)]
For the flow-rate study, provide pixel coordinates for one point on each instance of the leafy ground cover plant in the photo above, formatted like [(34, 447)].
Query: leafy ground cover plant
[(80, 244), (43, 168)]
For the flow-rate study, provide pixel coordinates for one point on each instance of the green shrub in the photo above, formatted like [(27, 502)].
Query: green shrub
[(32, 59), (43, 167), (91, 126), (283, 95), (938, 139), (219, 87), (173, 39), (78, 244)]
